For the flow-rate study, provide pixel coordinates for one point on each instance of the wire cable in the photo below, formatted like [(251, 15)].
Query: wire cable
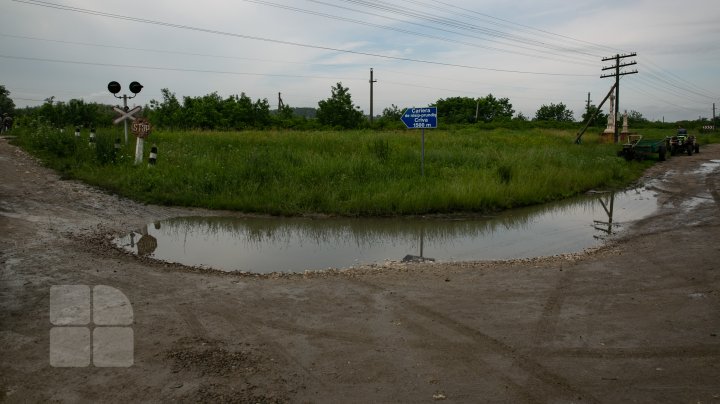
[(277, 41)]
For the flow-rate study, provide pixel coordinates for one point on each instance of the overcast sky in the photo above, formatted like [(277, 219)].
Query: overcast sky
[(532, 52)]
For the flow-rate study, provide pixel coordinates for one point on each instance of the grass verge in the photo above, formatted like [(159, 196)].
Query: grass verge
[(344, 173)]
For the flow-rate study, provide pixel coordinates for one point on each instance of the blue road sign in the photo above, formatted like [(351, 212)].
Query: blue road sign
[(420, 118)]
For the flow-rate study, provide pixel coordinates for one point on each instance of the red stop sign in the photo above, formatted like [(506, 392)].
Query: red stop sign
[(141, 128)]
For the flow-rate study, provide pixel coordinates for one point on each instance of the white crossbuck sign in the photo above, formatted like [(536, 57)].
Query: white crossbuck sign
[(126, 115)]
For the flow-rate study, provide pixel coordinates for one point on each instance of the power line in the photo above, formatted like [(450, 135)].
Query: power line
[(409, 32), (164, 51), (661, 99), (425, 27), (508, 22), (677, 79), (658, 78), (175, 69), (432, 18), (257, 38)]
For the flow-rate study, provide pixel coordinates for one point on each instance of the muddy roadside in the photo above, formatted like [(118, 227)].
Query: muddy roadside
[(637, 321)]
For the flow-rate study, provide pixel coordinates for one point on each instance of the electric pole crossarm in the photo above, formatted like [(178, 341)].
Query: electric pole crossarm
[(629, 55), (619, 74), (623, 65)]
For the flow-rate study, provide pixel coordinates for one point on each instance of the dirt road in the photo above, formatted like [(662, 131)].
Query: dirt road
[(638, 321)]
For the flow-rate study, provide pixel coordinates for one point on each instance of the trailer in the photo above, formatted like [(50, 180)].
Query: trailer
[(638, 148)]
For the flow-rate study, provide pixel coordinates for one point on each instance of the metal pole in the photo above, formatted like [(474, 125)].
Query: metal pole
[(371, 95), (125, 107), (617, 95), (587, 107), (422, 160)]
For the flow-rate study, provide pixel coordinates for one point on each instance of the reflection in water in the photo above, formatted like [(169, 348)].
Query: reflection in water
[(262, 244), (607, 201)]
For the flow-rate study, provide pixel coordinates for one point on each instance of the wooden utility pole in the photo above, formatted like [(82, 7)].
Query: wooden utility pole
[(714, 123), (280, 102), (587, 107), (592, 118), (617, 75), (372, 81)]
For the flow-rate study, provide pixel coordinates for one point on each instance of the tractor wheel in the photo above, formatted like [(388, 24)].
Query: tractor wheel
[(689, 151), (661, 153)]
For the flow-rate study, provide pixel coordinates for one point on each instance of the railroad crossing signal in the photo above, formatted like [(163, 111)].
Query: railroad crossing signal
[(126, 114)]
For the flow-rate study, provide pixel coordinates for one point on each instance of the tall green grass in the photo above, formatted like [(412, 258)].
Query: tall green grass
[(347, 173)]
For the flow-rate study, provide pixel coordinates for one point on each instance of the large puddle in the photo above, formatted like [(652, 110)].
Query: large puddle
[(264, 245)]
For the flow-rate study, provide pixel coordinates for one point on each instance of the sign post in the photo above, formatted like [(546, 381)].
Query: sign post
[(140, 128), (420, 118)]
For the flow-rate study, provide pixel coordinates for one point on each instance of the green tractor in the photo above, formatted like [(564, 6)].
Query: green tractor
[(682, 142)]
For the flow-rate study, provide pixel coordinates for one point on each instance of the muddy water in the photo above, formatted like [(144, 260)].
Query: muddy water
[(264, 245)]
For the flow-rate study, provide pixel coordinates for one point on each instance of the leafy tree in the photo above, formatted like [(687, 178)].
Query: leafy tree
[(635, 117), (456, 109), (75, 112), (491, 109), (285, 113), (464, 109), (392, 113), (166, 113), (210, 112), (554, 112), (390, 117), (6, 104), (520, 117), (338, 110), (600, 118)]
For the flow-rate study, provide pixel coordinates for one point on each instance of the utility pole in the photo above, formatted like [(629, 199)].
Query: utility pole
[(280, 102), (617, 75), (587, 108), (372, 81), (714, 123)]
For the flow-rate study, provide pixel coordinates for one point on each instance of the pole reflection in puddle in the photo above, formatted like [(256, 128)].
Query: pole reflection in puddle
[(281, 244)]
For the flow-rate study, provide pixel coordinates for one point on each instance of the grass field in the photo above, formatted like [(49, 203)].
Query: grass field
[(345, 173)]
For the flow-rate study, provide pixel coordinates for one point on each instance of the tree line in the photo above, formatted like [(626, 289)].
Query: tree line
[(240, 112)]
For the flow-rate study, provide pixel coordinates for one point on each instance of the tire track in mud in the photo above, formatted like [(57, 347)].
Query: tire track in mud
[(543, 385), (253, 327), (695, 351), (466, 355), (547, 323)]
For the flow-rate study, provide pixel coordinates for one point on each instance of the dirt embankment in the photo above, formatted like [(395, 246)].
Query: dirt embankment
[(638, 321)]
